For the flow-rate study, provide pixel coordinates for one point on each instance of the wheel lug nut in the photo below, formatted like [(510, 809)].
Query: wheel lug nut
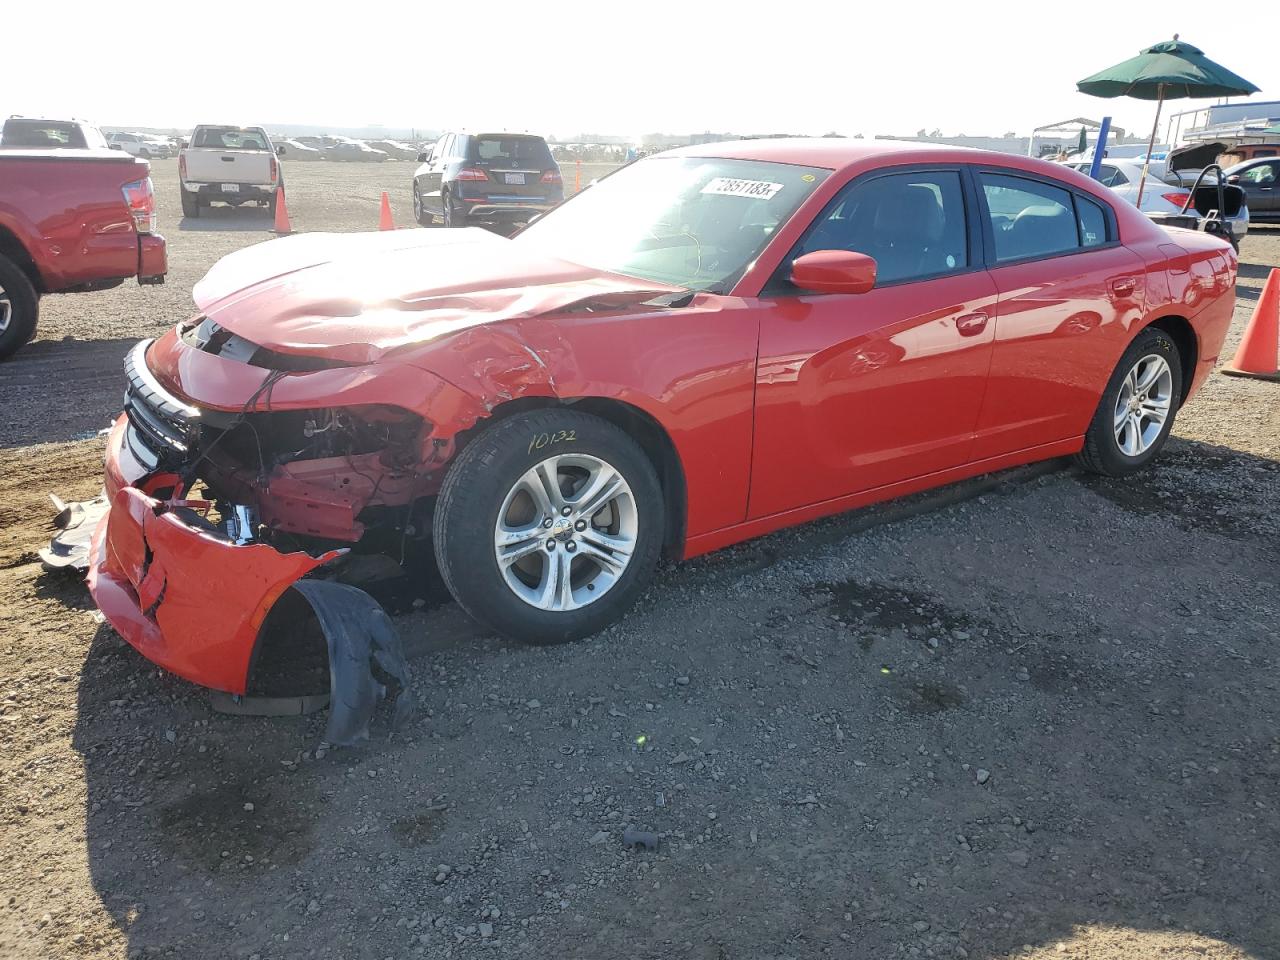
[(551, 545), (547, 523), (565, 511), (571, 546), (580, 525)]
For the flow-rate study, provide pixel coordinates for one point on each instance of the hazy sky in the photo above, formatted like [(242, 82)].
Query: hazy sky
[(627, 68)]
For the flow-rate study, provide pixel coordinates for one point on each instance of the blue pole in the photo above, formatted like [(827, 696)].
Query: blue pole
[(1100, 148)]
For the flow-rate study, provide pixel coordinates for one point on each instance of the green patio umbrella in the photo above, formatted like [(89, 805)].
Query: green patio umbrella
[(1171, 70)]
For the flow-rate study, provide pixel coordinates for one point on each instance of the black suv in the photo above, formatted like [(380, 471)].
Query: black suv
[(497, 177)]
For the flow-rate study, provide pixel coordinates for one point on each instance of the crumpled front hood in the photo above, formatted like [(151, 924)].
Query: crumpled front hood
[(354, 297)]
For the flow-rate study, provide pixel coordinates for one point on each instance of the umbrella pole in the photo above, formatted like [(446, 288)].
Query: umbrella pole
[(1142, 182)]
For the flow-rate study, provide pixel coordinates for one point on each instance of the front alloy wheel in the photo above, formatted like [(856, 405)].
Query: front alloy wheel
[(565, 532), (549, 524)]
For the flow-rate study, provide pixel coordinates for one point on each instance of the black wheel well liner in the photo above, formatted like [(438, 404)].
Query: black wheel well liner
[(637, 424), (12, 247), (1188, 344)]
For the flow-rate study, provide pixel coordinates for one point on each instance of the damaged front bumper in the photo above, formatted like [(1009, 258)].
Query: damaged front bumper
[(193, 601), (188, 599)]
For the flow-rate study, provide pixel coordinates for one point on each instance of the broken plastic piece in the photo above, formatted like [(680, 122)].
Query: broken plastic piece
[(77, 521), (360, 637), (632, 837)]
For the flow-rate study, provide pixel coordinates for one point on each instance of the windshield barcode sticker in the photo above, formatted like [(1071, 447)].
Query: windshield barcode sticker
[(729, 187)]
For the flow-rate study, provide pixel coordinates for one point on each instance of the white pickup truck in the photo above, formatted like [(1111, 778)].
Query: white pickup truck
[(232, 165)]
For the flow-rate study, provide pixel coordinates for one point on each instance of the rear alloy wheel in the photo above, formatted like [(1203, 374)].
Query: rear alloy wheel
[(452, 216), (19, 306), (1136, 413), (548, 525)]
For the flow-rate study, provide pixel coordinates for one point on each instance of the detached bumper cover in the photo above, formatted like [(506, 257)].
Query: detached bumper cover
[(185, 598)]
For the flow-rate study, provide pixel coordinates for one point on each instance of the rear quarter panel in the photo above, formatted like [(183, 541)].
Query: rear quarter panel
[(70, 215)]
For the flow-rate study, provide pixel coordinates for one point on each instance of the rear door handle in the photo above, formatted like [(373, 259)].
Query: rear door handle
[(1124, 286), (971, 324)]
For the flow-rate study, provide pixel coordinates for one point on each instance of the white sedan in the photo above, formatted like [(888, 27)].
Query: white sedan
[(353, 150), (1123, 175), (297, 150)]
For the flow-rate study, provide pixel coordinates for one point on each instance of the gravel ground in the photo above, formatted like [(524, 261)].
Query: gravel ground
[(1030, 715)]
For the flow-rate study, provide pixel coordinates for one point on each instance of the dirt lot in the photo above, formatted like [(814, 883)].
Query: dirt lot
[(1035, 715)]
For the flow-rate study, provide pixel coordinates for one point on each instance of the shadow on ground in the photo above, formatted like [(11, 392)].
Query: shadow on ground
[(58, 390), (1106, 656)]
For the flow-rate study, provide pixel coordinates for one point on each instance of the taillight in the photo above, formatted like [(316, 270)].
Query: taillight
[(552, 177), (1177, 199), (471, 173), (182, 166), (140, 198), (274, 168)]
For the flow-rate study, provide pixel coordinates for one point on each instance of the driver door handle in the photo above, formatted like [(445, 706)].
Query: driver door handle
[(971, 324)]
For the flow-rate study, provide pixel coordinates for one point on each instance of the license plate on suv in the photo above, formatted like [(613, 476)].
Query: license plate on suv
[(231, 188), (513, 178)]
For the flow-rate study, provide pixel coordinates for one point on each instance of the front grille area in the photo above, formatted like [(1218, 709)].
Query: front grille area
[(162, 427)]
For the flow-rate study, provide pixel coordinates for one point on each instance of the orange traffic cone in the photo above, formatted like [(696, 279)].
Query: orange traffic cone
[(1259, 353), (283, 226), (384, 221)]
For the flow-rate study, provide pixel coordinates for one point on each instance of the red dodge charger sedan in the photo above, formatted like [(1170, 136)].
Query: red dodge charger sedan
[(703, 347)]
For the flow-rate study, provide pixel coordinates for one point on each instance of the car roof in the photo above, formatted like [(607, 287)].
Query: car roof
[(834, 153)]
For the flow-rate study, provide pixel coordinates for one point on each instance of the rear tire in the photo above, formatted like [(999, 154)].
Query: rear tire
[(190, 203), (23, 306), (1124, 436), (485, 507), (453, 217)]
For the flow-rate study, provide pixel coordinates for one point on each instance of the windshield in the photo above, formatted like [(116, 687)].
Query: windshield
[(697, 222)]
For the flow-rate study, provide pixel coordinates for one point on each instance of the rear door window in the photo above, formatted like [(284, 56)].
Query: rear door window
[(1029, 218), (912, 224)]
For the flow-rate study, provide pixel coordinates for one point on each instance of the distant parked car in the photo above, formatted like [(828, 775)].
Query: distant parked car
[(141, 145), (1260, 180), (394, 149), (30, 133), (503, 177), (301, 151), (354, 150), (1158, 196)]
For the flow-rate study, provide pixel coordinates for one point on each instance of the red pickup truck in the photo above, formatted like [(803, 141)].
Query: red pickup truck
[(71, 221)]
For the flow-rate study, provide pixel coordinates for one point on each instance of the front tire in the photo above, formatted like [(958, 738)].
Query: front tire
[(1137, 409), (420, 214), (548, 525), (19, 307)]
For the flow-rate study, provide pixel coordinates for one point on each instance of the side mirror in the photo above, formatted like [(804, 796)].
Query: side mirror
[(116, 146), (1234, 178), (182, 144), (422, 156), (280, 150), (834, 271)]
